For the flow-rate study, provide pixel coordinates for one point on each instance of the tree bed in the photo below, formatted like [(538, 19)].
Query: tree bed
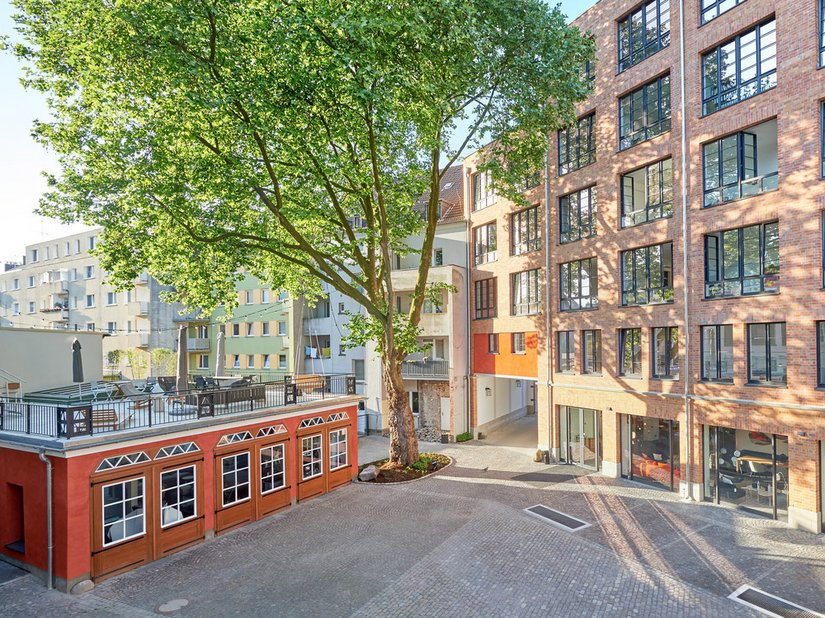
[(388, 473)]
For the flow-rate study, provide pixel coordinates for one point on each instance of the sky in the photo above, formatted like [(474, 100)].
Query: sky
[(22, 160)]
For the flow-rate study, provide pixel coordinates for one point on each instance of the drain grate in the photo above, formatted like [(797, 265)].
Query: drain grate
[(771, 605), (557, 518)]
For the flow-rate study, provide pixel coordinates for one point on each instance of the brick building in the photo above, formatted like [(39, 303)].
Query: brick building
[(647, 262)]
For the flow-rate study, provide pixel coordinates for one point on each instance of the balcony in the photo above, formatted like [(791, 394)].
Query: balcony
[(197, 344), (142, 278), (58, 287), (426, 369), (143, 340), (141, 308), (57, 313)]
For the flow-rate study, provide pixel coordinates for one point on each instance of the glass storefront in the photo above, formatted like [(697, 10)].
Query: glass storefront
[(650, 451), (748, 469), (580, 434)]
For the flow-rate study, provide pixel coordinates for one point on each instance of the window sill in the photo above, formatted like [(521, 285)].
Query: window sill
[(707, 381), (565, 373), (592, 374), (621, 150), (518, 353), (665, 378), (664, 302), (630, 376), (740, 296), (635, 225), (767, 384), (578, 310)]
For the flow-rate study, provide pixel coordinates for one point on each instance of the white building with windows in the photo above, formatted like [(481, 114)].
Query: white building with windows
[(60, 285)]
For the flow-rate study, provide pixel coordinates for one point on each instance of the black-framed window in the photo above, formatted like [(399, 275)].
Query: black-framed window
[(711, 9), (739, 68), (492, 343), (525, 235), (644, 113), (822, 33), (822, 137), (647, 193), (647, 275), (524, 290), (484, 243), (742, 261), (577, 145), (578, 285), (820, 354), (630, 352), (643, 32), (591, 351), (565, 350), (717, 353), (666, 352), (485, 298), (517, 343), (733, 168), (483, 192), (767, 354), (577, 215), (588, 72)]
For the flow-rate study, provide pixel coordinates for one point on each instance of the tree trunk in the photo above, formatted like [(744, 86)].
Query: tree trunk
[(403, 441)]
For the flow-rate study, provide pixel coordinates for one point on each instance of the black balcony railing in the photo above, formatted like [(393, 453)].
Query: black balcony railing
[(69, 417), (425, 369)]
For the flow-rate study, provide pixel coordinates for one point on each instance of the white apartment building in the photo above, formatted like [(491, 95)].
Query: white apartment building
[(60, 285), (437, 378)]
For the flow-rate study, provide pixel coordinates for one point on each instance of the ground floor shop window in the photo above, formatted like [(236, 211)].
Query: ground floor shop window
[(337, 449), (123, 511), (272, 468), (177, 495), (311, 451), (748, 469), (235, 479), (650, 450)]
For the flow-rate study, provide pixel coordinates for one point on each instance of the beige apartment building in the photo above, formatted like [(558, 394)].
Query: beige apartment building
[(60, 285)]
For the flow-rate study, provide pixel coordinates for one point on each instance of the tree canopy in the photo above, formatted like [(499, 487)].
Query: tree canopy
[(290, 139)]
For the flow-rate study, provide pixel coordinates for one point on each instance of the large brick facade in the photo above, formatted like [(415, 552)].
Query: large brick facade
[(795, 411)]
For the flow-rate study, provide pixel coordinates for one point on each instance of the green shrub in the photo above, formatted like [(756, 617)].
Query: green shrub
[(463, 437)]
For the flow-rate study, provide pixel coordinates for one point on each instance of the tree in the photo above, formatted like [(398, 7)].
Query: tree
[(209, 136), (136, 359), (163, 361)]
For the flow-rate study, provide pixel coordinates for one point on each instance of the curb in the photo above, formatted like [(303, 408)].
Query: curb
[(421, 478)]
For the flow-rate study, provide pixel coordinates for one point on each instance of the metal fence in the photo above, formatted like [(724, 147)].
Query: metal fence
[(71, 419)]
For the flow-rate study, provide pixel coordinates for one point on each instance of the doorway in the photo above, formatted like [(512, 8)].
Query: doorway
[(580, 435)]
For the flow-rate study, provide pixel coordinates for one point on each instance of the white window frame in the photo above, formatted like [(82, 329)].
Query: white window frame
[(282, 333), (236, 485), (264, 296), (236, 361), (90, 297), (250, 361), (308, 452), (124, 519), (177, 487), (111, 299), (341, 455), (250, 329), (272, 448), (265, 361), (265, 328), (201, 364), (285, 363)]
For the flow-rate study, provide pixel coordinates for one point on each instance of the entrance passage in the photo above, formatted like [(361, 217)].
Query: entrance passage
[(580, 434)]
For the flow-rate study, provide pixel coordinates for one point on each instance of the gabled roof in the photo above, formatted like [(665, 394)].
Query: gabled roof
[(451, 194)]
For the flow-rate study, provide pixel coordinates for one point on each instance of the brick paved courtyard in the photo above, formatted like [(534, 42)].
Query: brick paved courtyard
[(459, 543)]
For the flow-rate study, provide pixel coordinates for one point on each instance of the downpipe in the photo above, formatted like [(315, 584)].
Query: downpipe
[(547, 308), (49, 528), (686, 296)]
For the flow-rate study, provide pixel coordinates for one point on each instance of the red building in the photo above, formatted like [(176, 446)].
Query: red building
[(134, 479)]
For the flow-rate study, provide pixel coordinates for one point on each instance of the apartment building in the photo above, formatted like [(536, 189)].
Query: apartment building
[(436, 378), (680, 332), (507, 278), (258, 338), (60, 285)]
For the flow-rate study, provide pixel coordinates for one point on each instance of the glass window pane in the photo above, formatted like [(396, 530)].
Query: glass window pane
[(758, 352)]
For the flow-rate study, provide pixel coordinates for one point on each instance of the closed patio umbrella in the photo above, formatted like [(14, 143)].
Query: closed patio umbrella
[(77, 364), (182, 382), (220, 353)]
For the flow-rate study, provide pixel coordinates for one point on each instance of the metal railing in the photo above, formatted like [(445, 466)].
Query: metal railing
[(425, 369), (76, 417)]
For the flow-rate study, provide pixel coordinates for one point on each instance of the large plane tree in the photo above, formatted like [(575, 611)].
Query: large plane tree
[(290, 138)]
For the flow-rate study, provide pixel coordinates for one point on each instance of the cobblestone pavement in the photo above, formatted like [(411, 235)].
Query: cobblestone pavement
[(459, 543)]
